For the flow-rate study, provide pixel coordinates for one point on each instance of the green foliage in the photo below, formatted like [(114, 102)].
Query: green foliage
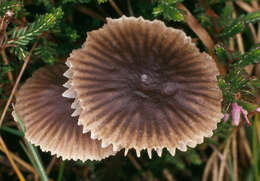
[(250, 57), (169, 10), (22, 37), (176, 161), (102, 1), (6, 68), (239, 24), (253, 17), (236, 81), (76, 1), (202, 16), (221, 133), (46, 3), (194, 157), (20, 52), (13, 5), (226, 16), (236, 27), (221, 53), (65, 31), (46, 51)]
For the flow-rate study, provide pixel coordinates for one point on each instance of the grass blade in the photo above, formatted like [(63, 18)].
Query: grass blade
[(61, 170), (34, 152), (11, 130)]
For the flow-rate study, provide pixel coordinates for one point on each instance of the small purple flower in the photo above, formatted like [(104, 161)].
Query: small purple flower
[(236, 111), (244, 112), (226, 116), (258, 109)]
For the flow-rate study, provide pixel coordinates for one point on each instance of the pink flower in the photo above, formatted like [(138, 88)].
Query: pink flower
[(236, 111), (244, 112), (226, 116)]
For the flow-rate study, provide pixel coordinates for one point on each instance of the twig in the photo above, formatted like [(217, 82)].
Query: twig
[(258, 132), (10, 75), (240, 43), (246, 7), (253, 31), (223, 161), (167, 174), (216, 150), (213, 157), (255, 148), (203, 35), (134, 162), (234, 153), (239, 38), (113, 4), (215, 170), (16, 169), (198, 29), (258, 35), (51, 164), (21, 162), (131, 12), (26, 61), (231, 44), (91, 13), (208, 166), (3, 25), (255, 4), (246, 144)]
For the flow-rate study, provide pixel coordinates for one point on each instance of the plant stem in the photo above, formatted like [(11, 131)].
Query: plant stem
[(38, 162), (26, 61), (62, 164), (16, 169), (255, 148), (12, 131), (6, 62), (37, 159)]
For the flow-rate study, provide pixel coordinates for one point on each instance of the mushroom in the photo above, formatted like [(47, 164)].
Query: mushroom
[(46, 115), (143, 85)]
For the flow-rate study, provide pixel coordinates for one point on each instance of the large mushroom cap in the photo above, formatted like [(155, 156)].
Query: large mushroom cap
[(46, 115), (143, 85)]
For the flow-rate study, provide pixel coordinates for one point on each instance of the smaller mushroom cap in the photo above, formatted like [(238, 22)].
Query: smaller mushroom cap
[(46, 115)]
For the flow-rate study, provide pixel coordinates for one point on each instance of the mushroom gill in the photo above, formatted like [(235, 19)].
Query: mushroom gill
[(143, 85), (46, 115)]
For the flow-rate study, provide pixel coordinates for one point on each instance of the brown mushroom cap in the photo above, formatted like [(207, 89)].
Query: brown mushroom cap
[(143, 85), (46, 115)]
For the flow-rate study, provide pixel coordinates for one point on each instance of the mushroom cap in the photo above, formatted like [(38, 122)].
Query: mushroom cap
[(143, 85), (46, 115)]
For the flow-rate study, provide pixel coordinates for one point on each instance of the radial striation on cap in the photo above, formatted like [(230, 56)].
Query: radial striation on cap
[(46, 115), (143, 85)]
